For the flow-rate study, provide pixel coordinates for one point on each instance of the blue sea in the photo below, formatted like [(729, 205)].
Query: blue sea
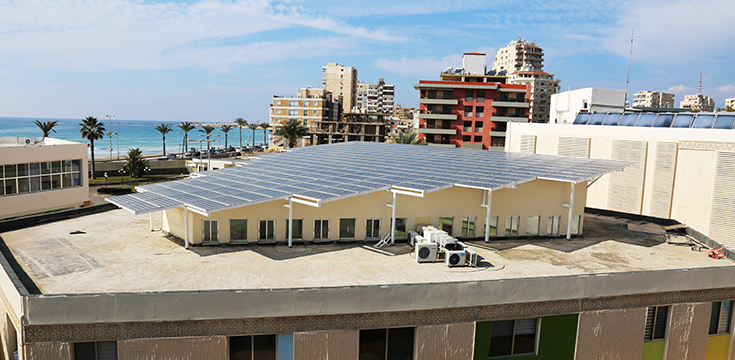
[(140, 134)]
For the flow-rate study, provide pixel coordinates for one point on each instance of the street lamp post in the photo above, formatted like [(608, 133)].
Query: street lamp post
[(122, 176)]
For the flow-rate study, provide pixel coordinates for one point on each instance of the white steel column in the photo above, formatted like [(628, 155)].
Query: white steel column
[(150, 214), (393, 221), (290, 222), (186, 228), (571, 213), (489, 206)]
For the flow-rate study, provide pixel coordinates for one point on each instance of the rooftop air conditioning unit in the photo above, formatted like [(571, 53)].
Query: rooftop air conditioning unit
[(444, 239), (433, 234), (412, 238), (426, 251), (472, 257), (455, 258)]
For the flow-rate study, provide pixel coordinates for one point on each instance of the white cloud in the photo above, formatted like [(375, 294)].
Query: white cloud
[(725, 89), (420, 66), (679, 89)]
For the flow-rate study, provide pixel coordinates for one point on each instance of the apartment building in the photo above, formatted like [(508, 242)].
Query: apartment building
[(653, 99), (40, 174), (470, 107), (371, 127), (519, 54), (543, 85), (698, 102), (375, 98), (341, 81), (621, 290), (730, 103), (310, 105), (566, 105), (683, 163)]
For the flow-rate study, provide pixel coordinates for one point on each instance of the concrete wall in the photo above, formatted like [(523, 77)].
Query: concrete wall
[(440, 342), (48, 351), (454, 202), (687, 333), (327, 345), (158, 349), (611, 334)]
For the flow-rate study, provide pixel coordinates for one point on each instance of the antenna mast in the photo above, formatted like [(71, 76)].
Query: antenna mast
[(699, 88), (627, 81)]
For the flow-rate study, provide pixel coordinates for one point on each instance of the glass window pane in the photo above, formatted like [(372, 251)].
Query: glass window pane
[(646, 120), (501, 338), (36, 183), (11, 186), (35, 168), (715, 318), (704, 121), (241, 348), (525, 336), (581, 119), (346, 228), (76, 165), (325, 229), (445, 223), (511, 225), (67, 166), (23, 185), (493, 226), (532, 225), (725, 317), (22, 170), (297, 228), (372, 344), (271, 230), (683, 121), (45, 167), (659, 330), (575, 224), (400, 343), (11, 171), (552, 227), (238, 229), (629, 120), (46, 182), (66, 180), (400, 228), (56, 167), (317, 229), (724, 122), (664, 120), (107, 350), (264, 347), (612, 119), (55, 181), (596, 119), (76, 179), (650, 316), (215, 230), (85, 351), (207, 231)]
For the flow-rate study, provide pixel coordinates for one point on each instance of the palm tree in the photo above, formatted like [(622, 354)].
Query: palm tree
[(253, 127), (92, 130), (207, 130), (403, 137), (292, 131), (240, 123), (47, 127), (265, 127), (135, 164), (225, 129), (164, 129), (186, 127)]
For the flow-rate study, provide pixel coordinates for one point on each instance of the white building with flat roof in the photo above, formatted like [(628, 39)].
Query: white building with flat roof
[(698, 102), (566, 105), (653, 99), (39, 174)]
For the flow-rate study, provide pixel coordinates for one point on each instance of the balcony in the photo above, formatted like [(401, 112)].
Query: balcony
[(445, 128), (434, 116), (513, 104), (438, 101), (510, 118)]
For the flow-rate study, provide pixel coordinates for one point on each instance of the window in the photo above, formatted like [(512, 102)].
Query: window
[(478, 126), (100, 350), (431, 94), (468, 111), (445, 223), (721, 318), (293, 103), (447, 94), (346, 228), (372, 229), (480, 96), (493, 226), (467, 138), (511, 225), (305, 122), (656, 323), (258, 347), (552, 227), (321, 229), (278, 111), (293, 113), (478, 138), (210, 231), (575, 224), (387, 344), (24, 178), (468, 95), (532, 225), (306, 112), (468, 126), (266, 230), (314, 112), (513, 337), (297, 229), (468, 226), (238, 230), (400, 228), (480, 111)]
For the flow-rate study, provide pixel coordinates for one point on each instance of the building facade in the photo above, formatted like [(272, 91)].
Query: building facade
[(653, 99), (543, 85), (309, 106), (566, 105), (341, 81), (469, 107), (519, 54), (375, 98), (41, 174), (730, 103), (698, 102)]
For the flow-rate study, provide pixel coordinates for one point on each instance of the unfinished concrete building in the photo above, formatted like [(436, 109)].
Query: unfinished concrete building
[(372, 127)]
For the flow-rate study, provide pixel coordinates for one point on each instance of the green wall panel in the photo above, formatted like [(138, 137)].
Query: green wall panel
[(654, 350), (557, 339)]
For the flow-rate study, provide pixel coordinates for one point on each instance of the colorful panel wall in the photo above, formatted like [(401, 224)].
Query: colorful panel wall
[(718, 347)]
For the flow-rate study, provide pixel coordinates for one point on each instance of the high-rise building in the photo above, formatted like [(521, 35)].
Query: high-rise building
[(517, 54), (341, 81), (543, 85), (310, 105), (698, 102), (470, 107), (653, 99), (375, 98)]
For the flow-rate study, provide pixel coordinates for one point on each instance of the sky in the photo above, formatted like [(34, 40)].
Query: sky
[(216, 60)]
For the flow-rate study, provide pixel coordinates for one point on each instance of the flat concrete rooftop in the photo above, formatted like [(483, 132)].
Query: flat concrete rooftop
[(117, 253)]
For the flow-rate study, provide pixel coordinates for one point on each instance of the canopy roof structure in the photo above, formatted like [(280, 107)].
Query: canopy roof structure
[(326, 173)]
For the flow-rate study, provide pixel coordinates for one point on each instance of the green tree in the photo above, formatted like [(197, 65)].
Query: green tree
[(265, 127), (164, 129), (186, 127), (410, 138), (207, 130), (240, 124), (292, 131), (47, 127), (135, 164), (225, 129), (92, 130), (253, 127)]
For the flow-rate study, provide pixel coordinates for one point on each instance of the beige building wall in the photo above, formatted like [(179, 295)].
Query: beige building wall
[(677, 177), (454, 202), (327, 345), (611, 334), (48, 351), (445, 342), (48, 150), (687, 332), (214, 347), (341, 81)]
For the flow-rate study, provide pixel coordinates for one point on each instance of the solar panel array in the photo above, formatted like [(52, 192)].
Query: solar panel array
[(330, 172), (659, 120)]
